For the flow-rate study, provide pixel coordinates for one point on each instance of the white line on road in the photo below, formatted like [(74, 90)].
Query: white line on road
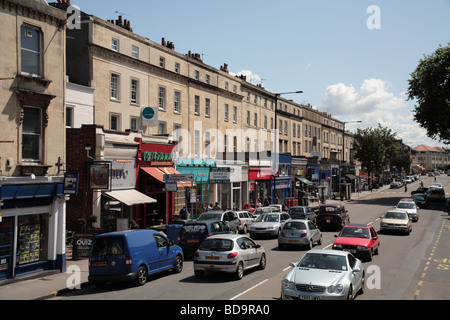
[(257, 285)]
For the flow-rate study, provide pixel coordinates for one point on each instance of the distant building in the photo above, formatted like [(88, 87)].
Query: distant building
[(431, 158)]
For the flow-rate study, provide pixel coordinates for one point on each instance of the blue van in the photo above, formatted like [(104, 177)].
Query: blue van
[(131, 256)]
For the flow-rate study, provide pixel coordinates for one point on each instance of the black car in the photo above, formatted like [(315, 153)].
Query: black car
[(420, 199), (421, 190), (332, 215)]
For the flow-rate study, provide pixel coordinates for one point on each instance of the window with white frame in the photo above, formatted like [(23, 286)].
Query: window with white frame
[(248, 117), (177, 101), (177, 67), (255, 120), (208, 79), (162, 127), (197, 105), (114, 86), (162, 62), (207, 107), (134, 94), (114, 122), (226, 111), (162, 98), (32, 134), (207, 144), (31, 50), (196, 75), (234, 114), (134, 121), (135, 52), (197, 143), (115, 44), (70, 116)]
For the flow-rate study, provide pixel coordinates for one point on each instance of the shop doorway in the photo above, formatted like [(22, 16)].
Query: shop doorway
[(6, 247)]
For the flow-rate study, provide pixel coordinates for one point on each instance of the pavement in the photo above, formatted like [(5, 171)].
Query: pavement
[(47, 284)]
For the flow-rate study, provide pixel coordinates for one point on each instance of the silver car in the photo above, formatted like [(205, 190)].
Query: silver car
[(268, 224), (231, 253), (299, 232), (245, 220), (324, 275)]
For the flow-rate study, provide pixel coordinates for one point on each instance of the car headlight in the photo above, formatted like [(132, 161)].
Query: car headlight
[(335, 288), (286, 284), (338, 246)]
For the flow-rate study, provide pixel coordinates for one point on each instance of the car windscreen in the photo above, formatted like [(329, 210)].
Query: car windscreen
[(192, 229), (268, 218), (323, 261), (210, 216), (406, 205), (418, 197), (217, 245), (296, 210), (106, 246), (396, 215), (355, 232)]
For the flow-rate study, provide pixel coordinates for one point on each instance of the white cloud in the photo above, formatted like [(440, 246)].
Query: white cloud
[(250, 77), (374, 104)]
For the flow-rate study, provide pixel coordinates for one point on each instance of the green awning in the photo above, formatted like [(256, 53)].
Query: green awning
[(304, 180)]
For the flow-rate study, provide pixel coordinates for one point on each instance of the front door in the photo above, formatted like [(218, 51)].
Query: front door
[(6, 244)]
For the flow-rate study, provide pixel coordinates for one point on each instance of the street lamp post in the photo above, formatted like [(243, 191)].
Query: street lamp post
[(343, 154), (277, 95)]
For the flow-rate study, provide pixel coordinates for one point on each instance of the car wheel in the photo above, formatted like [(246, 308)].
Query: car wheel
[(363, 280), (350, 293), (178, 264), (320, 241), (309, 246), (262, 262), (239, 271), (245, 229), (369, 256), (141, 278)]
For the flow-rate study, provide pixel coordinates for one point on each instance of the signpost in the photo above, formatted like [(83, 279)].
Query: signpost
[(169, 179)]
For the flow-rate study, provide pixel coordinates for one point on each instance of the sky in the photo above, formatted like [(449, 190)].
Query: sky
[(351, 58)]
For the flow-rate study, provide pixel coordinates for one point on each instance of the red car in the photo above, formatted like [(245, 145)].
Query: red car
[(359, 239)]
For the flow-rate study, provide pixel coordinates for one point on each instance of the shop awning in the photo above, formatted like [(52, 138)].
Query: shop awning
[(159, 172), (130, 197), (304, 180)]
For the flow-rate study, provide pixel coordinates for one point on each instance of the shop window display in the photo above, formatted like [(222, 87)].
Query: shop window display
[(32, 239)]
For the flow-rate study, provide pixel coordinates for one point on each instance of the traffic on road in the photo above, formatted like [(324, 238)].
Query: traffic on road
[(366, 253)]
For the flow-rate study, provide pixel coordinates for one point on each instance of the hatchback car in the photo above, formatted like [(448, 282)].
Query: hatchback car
[(299, 232), (359, 239), (410, 207), (268, 224), (230, 253), (228, 216), (324, 275), (302, 212), (245, 219), (396, 220), (332, 215), (192, 234)]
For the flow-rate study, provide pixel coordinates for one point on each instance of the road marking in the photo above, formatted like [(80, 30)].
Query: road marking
[(287, 268), (257, 285)]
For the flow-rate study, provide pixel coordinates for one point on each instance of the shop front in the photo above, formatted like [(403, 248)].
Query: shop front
[(201, 195), (260, 181), (154, 161), (32, 226), (231, 185)]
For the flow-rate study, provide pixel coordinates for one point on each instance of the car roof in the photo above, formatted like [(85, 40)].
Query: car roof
[(332, 204), (230, 236), (202, 222), (329, 251), (357, 225), (294, 207), (397, 211)]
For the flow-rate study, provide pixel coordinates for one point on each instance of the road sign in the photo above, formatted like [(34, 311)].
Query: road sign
[(171, 186), (178, 177)]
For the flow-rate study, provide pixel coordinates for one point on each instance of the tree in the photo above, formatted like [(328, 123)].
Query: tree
[(430, 86)]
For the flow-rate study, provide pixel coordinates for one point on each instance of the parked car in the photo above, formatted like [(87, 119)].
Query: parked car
[(268, 224), (436, 194), (131, 256), (420, 200), (408, 179), (245, 220), (359, 239), (228, 216), (299, 233), (324, 275), (396, 220), (192, 234), (228, 253), (332, 215), (436, 185), (261, 210), (410, 207), (395, 185), (302, 212)]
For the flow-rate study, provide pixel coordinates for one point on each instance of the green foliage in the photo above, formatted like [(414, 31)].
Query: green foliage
[(430, 86)]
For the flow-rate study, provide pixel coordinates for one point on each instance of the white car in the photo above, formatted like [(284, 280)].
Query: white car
[(410, 207), (436, 185), (268, 224), (245, 220), (324, 275), (396, 220)]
